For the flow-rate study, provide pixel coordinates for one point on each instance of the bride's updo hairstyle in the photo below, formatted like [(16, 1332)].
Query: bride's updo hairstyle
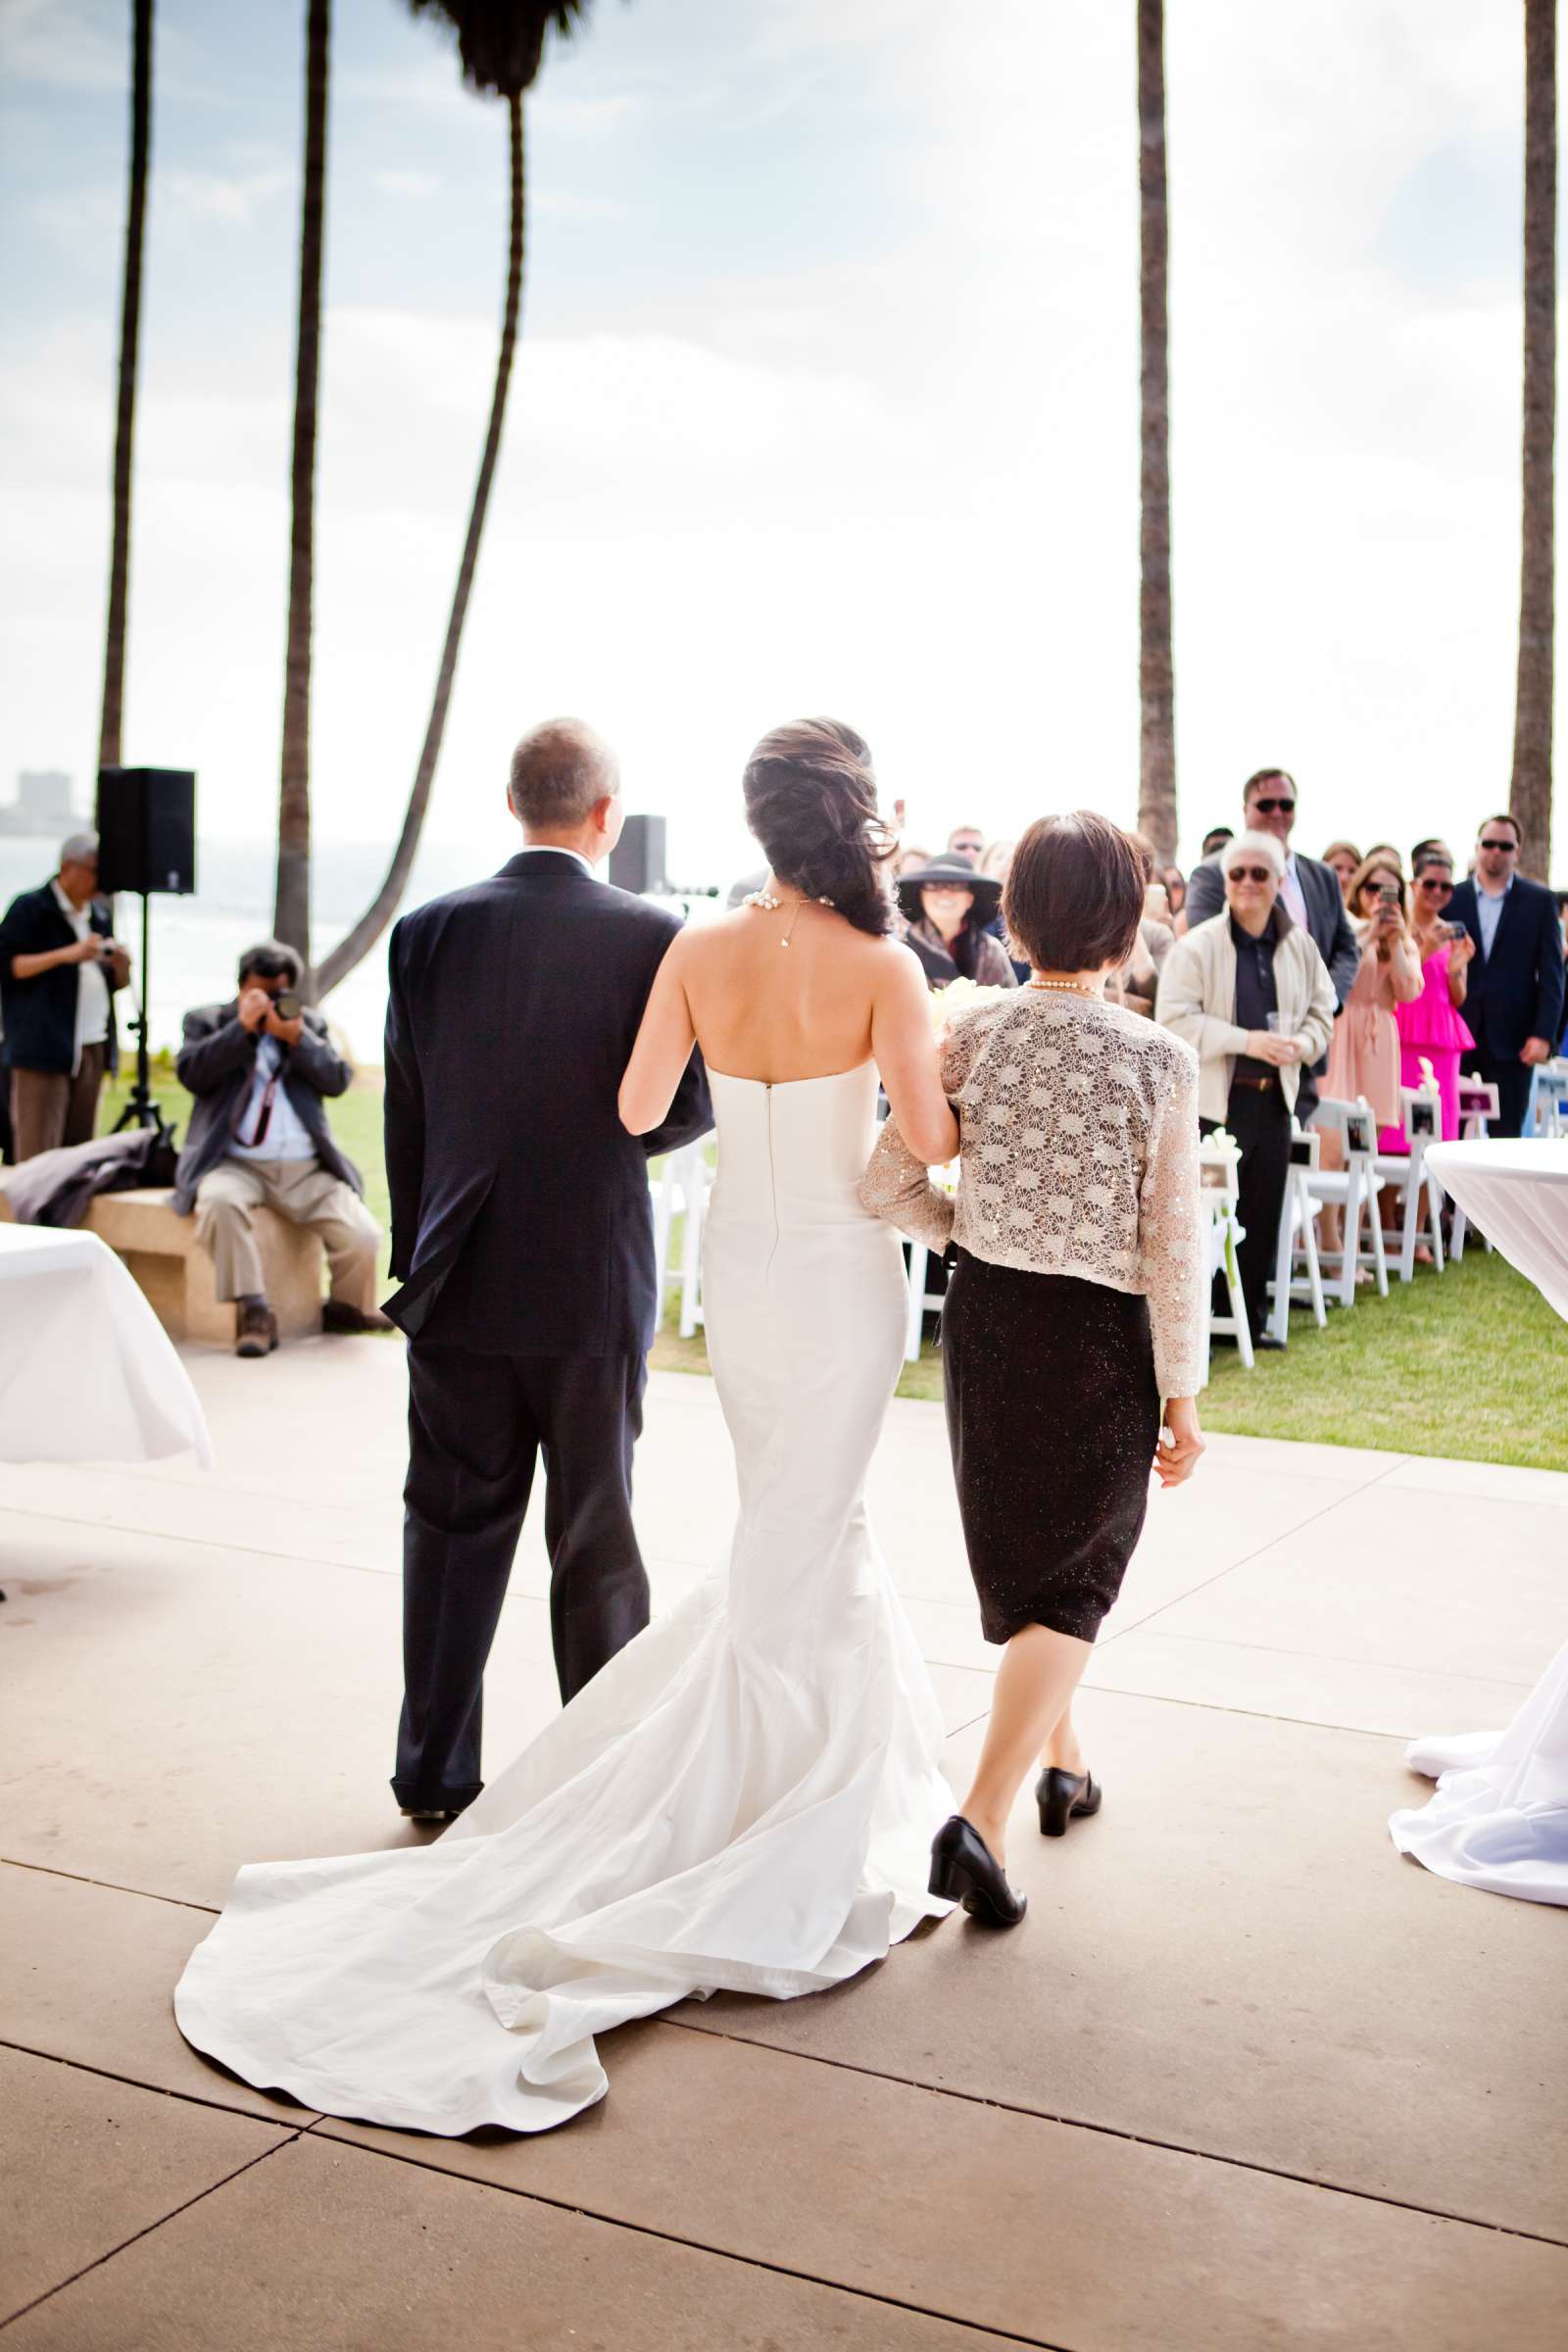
[(811, 799), (1074, 893)]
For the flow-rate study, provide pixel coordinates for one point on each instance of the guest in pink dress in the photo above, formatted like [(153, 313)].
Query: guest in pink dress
[(1431, 1029)]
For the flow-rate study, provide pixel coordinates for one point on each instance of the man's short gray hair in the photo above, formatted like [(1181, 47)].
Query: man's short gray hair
[(273, 950), (559, 772), (78, 848)]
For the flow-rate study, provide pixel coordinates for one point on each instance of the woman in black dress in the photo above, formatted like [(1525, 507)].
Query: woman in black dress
[(1074, 1321)]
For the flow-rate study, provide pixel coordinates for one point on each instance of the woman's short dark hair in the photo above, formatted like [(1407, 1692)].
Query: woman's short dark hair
[(811, 799), (1075, 893)]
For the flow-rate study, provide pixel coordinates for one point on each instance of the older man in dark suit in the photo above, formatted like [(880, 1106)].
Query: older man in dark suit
[(1513, 1007), (522, 1232)]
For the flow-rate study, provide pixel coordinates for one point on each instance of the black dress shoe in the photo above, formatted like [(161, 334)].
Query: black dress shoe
[(1064, 1796), (964, 1870), (1266, 1343)]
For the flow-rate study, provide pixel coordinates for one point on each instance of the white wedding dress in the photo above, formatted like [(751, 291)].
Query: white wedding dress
[(743, 1800)]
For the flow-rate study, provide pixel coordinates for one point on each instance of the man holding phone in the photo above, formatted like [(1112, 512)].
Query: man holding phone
[(261, 1067), (59, 968), (1514, 1003)]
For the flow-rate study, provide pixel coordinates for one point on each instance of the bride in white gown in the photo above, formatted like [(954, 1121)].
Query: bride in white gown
[(744, 1799)]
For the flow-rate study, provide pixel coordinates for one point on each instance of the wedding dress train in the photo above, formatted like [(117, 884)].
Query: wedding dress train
[(743, 1800)]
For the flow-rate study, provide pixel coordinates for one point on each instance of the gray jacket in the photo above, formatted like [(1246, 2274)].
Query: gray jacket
[(216, 1064)]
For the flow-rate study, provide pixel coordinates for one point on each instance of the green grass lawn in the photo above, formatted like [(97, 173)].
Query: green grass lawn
[(1471, 1364)]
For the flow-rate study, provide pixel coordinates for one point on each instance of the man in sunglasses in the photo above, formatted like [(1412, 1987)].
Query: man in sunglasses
[(261, 1067), (1311, 895), (1513, 1007)]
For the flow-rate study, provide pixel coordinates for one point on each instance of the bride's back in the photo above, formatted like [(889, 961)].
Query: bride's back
[(806, 983), (766, 1010)]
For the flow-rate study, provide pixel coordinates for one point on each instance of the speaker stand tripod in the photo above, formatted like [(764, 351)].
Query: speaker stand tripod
[(140, 1110)]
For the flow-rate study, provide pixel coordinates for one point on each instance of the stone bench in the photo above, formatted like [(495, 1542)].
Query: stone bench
[(176, 1273)]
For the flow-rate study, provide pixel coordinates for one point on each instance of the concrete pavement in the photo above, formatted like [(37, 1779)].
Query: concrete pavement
[(1245, 2077)]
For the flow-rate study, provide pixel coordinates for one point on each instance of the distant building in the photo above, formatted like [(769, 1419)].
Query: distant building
[(42, 806)]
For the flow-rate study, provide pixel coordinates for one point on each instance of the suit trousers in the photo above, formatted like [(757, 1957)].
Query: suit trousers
[(49, 1110), (477, 1425), (1511, 1077), (1261, 1121), (303, 1192)]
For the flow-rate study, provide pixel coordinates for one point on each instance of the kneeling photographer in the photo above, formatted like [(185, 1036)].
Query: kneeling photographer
[(259, 1068)]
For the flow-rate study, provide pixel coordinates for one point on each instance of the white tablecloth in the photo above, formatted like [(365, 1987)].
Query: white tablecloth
[(1499, 1818), (1517, 1192), (87, 1373)]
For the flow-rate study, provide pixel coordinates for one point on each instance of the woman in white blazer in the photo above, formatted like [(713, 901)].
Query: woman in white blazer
[(1250, 992)]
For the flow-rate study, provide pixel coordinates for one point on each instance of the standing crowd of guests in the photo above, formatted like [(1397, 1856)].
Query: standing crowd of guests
[(1294, 979)]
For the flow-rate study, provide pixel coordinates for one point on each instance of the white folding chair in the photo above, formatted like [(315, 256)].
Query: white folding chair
[(1226, 1231), (1551, 1098), (1354, 1190), (1418, 1192), (1478, 1108), (681, 1187), (1298, 1232)]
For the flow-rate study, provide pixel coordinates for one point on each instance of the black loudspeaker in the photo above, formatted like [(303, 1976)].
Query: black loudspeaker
[(637, 860), (147, 830)]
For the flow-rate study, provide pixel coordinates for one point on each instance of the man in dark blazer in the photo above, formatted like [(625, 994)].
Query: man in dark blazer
[(261, 1068), (522, 1234), (1513, 1005), (1310, 893)]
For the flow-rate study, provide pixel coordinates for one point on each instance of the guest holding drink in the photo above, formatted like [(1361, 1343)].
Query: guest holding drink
[(1251, 995), (1432, 1026), (1074, 1321)]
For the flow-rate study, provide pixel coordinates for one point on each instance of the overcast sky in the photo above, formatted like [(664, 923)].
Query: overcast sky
[(826, 402)]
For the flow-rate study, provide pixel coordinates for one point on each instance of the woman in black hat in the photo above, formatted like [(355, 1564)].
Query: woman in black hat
[(947, 906)]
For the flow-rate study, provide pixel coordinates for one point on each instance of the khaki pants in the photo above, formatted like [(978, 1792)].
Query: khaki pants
[(302, 1190), (48, 1109)]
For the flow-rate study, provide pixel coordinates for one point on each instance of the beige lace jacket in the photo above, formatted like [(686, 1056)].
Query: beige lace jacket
[(1079, 1155)]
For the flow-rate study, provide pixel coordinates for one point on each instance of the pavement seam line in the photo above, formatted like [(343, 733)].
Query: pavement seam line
[(697, 2245), (77, 1877), (1141, 2139), (1247, 1559), (157, 2091), (137, 2235)]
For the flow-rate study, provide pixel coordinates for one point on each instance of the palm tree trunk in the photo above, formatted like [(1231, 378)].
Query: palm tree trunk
[(1533, 707), (368, 930), (1156, 689), (141, 86), (291, 919)]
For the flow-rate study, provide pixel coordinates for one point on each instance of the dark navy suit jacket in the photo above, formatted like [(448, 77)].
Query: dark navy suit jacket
[(521, 1217), (1516, 992)]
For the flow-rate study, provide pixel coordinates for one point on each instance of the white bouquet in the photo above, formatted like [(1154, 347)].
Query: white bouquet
[(961, 995)]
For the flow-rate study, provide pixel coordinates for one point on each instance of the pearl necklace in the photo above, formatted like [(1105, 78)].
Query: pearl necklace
[(766, 901), (1074, 988)]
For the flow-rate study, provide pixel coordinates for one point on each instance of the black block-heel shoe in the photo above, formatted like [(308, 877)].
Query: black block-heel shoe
[(964, 1870), (1064, 1796)]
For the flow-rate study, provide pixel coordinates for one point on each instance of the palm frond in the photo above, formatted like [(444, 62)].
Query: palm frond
[(501, 42)]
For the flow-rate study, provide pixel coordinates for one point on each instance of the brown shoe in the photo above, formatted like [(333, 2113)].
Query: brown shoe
[(256, 1333), (339, 1315)]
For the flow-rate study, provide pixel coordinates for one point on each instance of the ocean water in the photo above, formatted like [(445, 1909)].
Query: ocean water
[(196, 942)]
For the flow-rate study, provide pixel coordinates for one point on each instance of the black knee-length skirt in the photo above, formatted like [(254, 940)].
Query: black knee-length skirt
[(1053, 1418)]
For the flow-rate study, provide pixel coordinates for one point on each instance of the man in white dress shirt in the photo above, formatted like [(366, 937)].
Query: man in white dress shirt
[(259, 1068)]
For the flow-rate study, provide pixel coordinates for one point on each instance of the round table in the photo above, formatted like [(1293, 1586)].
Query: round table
[(1517, 1192), (1499, 1818), (88, 1372)]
